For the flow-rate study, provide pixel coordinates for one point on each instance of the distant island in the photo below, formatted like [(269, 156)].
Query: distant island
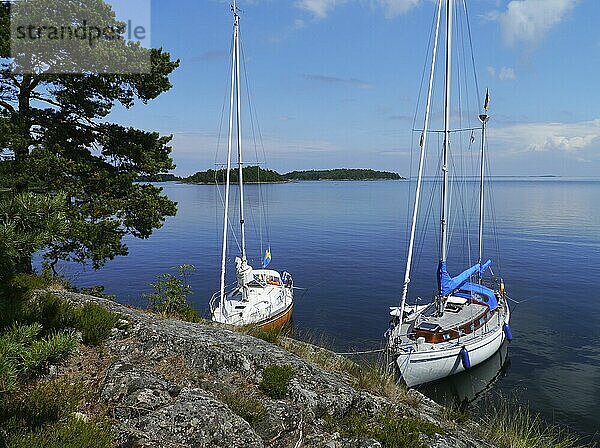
[(254, 174), (342, 174)]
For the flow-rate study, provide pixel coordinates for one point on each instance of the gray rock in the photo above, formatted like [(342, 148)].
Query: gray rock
[(163, 391)]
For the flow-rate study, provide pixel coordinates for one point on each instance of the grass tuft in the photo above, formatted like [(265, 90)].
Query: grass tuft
[(454, 414), (387, 427), (40, 403), (512, 425), (247, 407), (74, 433), (273, 335), (275, 380)]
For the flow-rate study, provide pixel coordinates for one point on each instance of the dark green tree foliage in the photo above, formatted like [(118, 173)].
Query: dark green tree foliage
[(341, 174), (28, 222), (55, 124), (252, 174)]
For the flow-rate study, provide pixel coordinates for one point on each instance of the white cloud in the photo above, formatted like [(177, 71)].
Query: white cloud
[(393, 8), (491, 71), (572, 138), (527, 21), (319, 8), (507, 73)]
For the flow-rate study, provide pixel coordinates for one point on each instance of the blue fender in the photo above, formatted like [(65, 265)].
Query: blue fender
[(507, 332), (464, 357)]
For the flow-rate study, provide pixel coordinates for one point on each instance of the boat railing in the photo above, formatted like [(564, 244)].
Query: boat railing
[(216, 297)]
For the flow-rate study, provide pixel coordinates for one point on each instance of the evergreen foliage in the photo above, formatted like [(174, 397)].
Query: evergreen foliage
[(65, 148)]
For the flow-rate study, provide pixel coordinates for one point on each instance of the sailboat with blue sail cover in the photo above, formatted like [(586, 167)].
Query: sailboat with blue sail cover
[(258, 297), (468, 319)]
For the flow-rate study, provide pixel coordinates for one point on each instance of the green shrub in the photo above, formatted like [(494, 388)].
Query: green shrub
[(23, 354), (95, 323), (75, 433), (8, 374), (49, 350), (275, 381), (387, 427), (52, 312), (247, 407), (33, 406), (21, 334), (171, 295), (29, 282)]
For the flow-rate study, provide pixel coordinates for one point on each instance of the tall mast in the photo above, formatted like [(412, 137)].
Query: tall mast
[(445, 199), (228, 174), (423, 144), (236, 44), (484, 119)]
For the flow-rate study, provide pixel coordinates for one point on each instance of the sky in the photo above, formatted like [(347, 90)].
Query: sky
[(335, 83)]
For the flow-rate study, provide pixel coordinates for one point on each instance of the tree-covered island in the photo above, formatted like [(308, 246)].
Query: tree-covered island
[(254, 174)]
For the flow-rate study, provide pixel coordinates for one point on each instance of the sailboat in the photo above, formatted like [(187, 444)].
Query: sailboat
[(468, 319), (259, 297)]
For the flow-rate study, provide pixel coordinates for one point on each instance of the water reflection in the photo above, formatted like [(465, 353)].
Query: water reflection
[(465, 389)]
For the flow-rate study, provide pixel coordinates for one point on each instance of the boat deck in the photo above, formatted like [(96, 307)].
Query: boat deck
[(460, 317)]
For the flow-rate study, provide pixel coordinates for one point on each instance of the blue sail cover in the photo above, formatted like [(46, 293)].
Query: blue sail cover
[(447, 285), (468, 290)]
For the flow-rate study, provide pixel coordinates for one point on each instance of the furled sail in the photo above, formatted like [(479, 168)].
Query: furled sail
[(447, 284)]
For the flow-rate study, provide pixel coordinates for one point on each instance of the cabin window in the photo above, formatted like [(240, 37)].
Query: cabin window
[(472, 327), (446, 337), (461, 332), (482, 321), (240, 307)]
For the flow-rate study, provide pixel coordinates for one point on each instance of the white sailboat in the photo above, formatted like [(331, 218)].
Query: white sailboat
[(468, 319), (259, 297)]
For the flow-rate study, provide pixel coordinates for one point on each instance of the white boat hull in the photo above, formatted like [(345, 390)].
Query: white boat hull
[(424, 363)]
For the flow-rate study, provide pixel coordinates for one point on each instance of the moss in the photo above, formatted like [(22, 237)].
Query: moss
[(247, 407), (275, 381), (387, 427)]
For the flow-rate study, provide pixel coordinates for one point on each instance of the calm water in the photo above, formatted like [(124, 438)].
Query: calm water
[(345, 242)]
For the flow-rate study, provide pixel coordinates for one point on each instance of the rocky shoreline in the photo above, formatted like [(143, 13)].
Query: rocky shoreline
[(167, 383)]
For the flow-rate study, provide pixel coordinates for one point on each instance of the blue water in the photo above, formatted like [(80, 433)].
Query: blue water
[(346, 243)]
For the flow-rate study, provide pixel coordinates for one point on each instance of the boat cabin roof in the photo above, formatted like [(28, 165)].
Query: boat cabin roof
[(478, 292)]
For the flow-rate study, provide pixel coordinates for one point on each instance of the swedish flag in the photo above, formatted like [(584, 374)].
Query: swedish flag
[(267, 258)]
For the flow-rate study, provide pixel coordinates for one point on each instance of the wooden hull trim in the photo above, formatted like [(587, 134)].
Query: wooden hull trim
[(277, 321)]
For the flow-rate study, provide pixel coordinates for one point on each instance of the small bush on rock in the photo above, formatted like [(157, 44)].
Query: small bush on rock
[(171, 295), (95, 323), (275, 381)]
